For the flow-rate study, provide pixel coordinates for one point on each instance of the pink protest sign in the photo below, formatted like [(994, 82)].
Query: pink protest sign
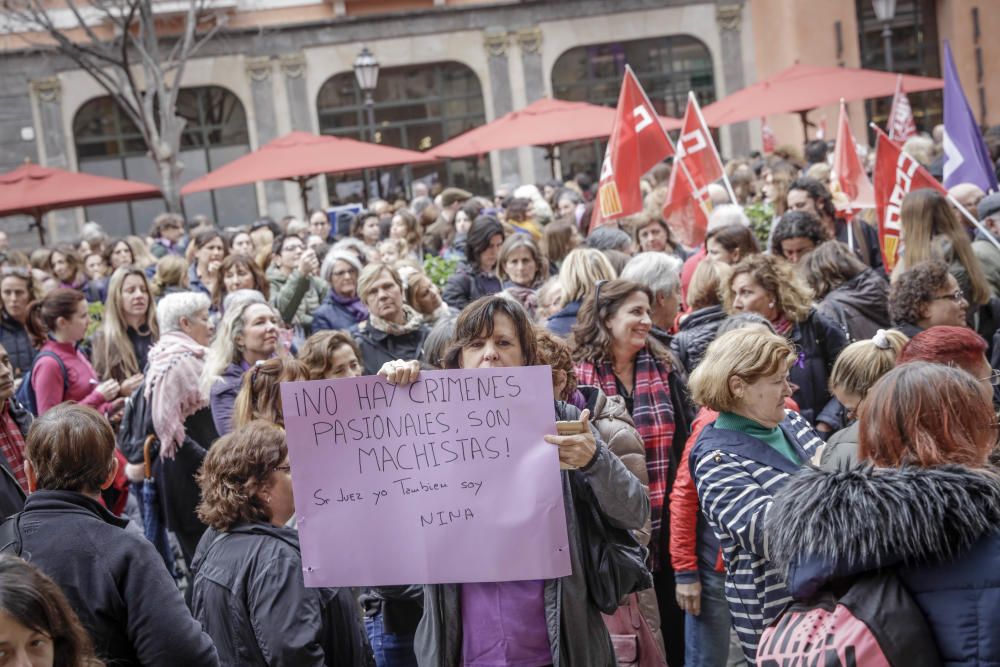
[(446, 480)]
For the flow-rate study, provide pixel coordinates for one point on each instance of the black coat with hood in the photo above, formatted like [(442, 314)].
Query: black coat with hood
[(819, 341), (249, 595), (860, 305), (115, 581), (937, 528), (695, 334)]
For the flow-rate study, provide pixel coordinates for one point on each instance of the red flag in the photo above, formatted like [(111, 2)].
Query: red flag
[(767, 139), (637, 143), (696, 166), (900, 124), (896, 174), (849, 175), (686, 210)]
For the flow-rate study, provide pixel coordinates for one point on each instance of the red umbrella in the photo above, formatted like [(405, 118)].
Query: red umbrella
[(34, 190), (299, 156), (803, 87), (544, 123)]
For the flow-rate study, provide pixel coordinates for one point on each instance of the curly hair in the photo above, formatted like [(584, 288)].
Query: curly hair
[(915, 288), (317, 352), (237, 467), (818, 193), (777, 277), (555, 352), (797, 224), (591, 341)]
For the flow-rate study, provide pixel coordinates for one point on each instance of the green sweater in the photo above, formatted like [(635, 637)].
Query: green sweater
[(774, 437)]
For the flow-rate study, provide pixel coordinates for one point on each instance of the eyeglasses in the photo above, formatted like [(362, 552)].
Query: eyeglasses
[(345, 272), (993, 378), (597, 290), (958, 296)]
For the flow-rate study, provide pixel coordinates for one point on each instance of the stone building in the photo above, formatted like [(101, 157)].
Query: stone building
[(449, 65)]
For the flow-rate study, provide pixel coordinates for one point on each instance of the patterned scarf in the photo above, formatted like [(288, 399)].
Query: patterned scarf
[(12, 447), (782, 326), (172, 375), (653, 414), (411, 322)]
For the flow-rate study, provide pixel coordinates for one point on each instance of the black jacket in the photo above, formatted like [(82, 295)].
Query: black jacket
[(115, 581), (17, 342), (468, 284), (695, 333), (378, 347), (860, 306), (179, 492), (819, 341), (11, 494), (332, 315), (249, 595)]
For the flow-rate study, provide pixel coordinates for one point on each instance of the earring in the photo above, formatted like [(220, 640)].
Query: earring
[(770, 305), (267, 499)]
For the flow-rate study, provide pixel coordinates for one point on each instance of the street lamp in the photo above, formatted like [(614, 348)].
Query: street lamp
[(885, 10), (366, 73)]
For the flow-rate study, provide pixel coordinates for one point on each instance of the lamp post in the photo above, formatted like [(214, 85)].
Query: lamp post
[(885, 10), (366, 73)]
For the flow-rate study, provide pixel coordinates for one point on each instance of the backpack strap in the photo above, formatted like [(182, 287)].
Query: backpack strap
[(62, 367), (10, 535)]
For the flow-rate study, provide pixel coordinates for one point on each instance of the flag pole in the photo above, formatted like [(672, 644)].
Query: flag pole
[(971, 218), (725, 176), (895, 100)]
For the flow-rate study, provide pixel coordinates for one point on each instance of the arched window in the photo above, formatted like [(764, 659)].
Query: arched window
[(109, 144), (667, 67), (416, 107)]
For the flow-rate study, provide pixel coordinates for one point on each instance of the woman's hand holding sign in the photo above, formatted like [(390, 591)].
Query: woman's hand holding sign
[(400, 372), (579, 449)]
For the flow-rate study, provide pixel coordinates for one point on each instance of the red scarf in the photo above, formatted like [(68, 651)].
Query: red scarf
[(12, 447), (653, 414)]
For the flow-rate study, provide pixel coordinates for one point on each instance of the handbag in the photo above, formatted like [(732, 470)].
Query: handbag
[(614, 561), (631, 636)]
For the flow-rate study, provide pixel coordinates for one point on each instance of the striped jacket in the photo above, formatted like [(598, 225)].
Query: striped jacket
[(737, 476)]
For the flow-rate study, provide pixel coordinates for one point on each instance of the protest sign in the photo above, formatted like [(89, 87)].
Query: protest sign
[(446, 480)]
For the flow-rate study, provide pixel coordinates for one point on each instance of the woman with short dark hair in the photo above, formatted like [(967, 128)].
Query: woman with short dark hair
[(730, 244), (205, 254), (477, 276), (797, 234), (248, 591), (114, 578), (846, 290), (926, 295)]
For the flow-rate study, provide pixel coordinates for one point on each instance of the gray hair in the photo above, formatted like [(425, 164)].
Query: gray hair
[(223, 351), (727, 214), (173, 307), (658, 271), (338, 255), (608, 237), (743, 320)]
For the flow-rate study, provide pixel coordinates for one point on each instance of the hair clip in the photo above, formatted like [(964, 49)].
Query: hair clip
[(881, 340)]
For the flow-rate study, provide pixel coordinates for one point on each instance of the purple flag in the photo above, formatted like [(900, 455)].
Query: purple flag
[(966, 158)]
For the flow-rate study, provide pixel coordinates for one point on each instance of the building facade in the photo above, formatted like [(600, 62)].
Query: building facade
[(447, 66)]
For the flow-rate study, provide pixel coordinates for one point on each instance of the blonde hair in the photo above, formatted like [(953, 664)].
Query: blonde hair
[(777, 277), (260, 396), (862, 363), (373, 272), (171, 271), (707, 286), (114, 354), (581, 270), (932, 229), (140, 252), (748, 355)]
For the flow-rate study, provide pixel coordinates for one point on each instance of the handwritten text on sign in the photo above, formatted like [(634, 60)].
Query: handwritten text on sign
[(445, 480)]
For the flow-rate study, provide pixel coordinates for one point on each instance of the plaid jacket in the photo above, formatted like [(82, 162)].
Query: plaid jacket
[(737, 476)]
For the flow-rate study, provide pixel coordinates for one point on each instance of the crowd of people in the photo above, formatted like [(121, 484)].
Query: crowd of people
[(771, 414)]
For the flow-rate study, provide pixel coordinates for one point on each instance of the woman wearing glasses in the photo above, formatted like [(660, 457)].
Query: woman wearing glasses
[(342, 308), (926, 295), (248, 592)]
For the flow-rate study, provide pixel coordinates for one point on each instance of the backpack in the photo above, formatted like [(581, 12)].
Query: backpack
[(874, 623), (25, 393), (136, 426)]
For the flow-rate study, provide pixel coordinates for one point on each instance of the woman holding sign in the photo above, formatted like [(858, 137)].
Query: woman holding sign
[(526, 623)]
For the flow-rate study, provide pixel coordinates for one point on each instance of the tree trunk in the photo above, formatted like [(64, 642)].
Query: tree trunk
[(170, 171)]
